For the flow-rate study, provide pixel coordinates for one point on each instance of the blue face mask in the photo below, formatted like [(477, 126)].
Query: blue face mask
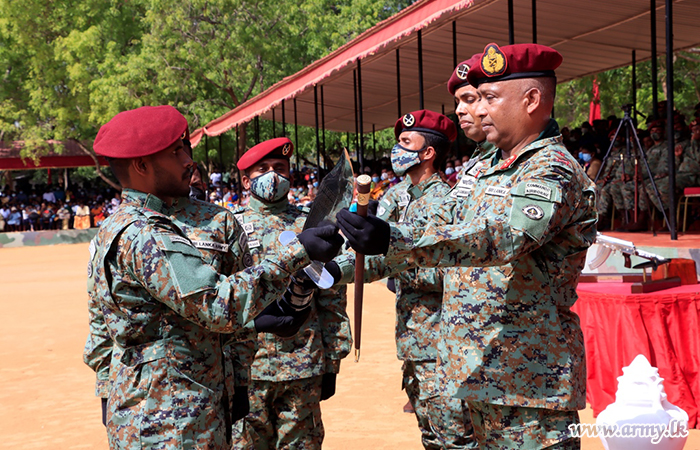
[(375, 179), (270, 186), (585, 157), (403, 159)]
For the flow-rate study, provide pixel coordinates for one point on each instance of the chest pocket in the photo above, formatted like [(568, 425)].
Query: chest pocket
[(534, 205)]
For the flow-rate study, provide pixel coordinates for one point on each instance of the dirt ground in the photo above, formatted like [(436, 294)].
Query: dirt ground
[(47, 397)]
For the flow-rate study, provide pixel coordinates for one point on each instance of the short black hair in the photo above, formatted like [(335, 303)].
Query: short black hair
[(120, 168), (441, 146)]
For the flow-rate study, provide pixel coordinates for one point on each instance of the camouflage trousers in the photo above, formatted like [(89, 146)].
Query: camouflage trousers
[(502, 427), (604, 201), (283, 415), (443, 421), (623, 196), (683, 180)]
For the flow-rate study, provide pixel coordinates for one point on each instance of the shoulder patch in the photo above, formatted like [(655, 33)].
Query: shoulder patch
[(534, 212), (538, 189)]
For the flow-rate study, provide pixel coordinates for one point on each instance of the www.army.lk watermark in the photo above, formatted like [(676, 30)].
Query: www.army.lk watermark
[(656, 432)]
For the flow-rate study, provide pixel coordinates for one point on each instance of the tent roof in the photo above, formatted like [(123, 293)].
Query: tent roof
[(593, 36), (71, 156)]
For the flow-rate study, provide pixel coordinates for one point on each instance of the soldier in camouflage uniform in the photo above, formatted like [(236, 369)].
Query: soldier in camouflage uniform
[(510, 343), (163, 305), (423, 141), (291, 375), (606, 178), (657, 158), (215, 232)]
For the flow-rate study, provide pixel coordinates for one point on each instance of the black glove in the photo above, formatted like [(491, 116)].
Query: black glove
[(391, 284), (281, 319), (372, 207), (322, 243), (327, 386), (104, 411), (367, 235), (333, 268), (240, 403)]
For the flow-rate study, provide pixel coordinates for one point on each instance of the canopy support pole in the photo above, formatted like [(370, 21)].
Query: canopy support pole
[(534, 21), (361, 120), (274, 124), (398, 83), (284, 121), (669, 122), (374, 144), (634, 86), (511, 27), (420, 70), (454, 43), (318, 140), (256, 125), (354, 91), (296, 135), (654, 70), (323, 124)]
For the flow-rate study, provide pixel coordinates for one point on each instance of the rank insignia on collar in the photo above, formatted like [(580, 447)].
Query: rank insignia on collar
[(462, 71), (286, 148), (409, 120), (506, 164), (534, 212), (493, 61)]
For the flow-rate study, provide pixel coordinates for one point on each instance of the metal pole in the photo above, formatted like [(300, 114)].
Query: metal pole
[(274, 124), (454, 43), (238, 157), (361, 147), (420, 69), (654, 70), (634, 86), (354, 90), (374, 144), (511, 29), (284, 121), (256, 125), (398, 82), (669, 122), (323, 124), (221, 153), (534, 21), (318, 140), (296, 135)]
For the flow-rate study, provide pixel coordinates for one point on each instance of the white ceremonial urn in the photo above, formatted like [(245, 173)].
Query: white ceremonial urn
[(641, 417)]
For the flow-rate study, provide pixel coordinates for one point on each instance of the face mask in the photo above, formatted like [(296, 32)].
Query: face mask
[(270, 186), (315, 183), (403, 159), (375, 179), (618, 144), (677, 135), (458, 168), (384, 176), (585, 157), (656, 136), (449, 171)]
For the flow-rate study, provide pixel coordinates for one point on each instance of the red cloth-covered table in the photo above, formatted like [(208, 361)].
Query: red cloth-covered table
[(664, 326)]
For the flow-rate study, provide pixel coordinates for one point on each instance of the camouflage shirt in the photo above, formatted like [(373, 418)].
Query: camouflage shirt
[(418, 290), (324, 339), (508, 335), (164, 306)]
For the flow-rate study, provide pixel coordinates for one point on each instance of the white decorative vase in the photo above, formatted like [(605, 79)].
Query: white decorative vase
[(641, 417)]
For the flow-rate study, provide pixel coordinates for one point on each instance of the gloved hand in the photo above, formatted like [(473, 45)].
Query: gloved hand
[(240, 403), (372, 207), (322, 243), (334, 269), (104, 411), (281, 319), (328, 386), (367, 235), (391, 284)]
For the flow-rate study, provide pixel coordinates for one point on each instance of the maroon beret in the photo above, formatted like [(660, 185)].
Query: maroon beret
[(659, 123), (426, 121), (279, 147), (140, 132), (459, 75), (514, 61)]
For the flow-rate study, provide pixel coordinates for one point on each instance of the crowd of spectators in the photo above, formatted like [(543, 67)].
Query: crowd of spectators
[(53, 208)]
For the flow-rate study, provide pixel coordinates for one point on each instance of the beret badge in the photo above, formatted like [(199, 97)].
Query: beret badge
[(409, 120), (286, 149), (493, 61), (462, 71)]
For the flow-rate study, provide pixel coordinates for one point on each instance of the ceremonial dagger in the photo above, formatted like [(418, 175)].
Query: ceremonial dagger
[(363, 188)]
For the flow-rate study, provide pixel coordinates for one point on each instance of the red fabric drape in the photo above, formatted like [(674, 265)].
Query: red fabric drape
[(594, 113), (663, 326)]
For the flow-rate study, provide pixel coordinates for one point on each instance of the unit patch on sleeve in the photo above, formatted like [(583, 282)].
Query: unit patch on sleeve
[(538, 189)]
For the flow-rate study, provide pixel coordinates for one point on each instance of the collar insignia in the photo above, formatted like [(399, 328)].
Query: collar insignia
[(409, 120), (493, 61)]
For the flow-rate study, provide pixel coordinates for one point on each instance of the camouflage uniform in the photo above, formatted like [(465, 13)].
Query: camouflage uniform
[(606, 182), (689, 169), (509, 341), (657, 157), (164, 307), (444, 422), (286, 373), (623, 192)]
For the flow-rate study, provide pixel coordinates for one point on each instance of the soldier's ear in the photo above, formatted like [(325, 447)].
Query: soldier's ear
[(533, 99), (140, 166), (245, 181)]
